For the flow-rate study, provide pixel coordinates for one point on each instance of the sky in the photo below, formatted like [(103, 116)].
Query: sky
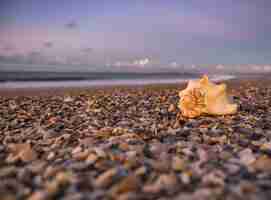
[(123, 34)]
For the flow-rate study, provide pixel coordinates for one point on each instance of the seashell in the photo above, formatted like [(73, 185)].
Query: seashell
[(204, 97)]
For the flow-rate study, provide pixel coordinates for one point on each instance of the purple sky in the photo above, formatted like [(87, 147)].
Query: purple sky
[(139, 33)]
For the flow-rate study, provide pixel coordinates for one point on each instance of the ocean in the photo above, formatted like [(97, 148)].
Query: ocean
[(39, 79)]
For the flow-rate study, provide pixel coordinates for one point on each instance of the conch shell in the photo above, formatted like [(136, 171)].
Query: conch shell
[(204, 97)]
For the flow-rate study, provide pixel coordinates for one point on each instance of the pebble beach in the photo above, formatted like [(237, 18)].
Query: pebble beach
[(129, 143)]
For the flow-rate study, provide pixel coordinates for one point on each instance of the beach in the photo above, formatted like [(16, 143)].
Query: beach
[(131, 142)]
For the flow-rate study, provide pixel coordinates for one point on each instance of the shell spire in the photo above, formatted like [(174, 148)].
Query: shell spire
[(204, 97)]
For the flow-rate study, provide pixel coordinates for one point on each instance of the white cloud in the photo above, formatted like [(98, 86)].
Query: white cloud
[(256, 68), (193, 66), (141, 62), (135, 63), (267, 68), (220, 67), (174, 64)]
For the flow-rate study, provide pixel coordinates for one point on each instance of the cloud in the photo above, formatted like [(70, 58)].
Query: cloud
[(219, 67), (48, 44), (267, 68), (7, 48), (256, 68), (34, 54), (193, 66), (15, 58), (142, 62), (71, 25), (135, 63), (34, 57), (174, 64), (87, 50)]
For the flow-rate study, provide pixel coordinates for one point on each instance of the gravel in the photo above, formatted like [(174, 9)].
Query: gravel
[(132, 143)]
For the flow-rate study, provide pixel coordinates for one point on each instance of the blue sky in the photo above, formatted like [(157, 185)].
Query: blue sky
[(135, 34)]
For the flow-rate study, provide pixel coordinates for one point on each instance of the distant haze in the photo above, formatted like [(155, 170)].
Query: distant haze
[(142, 35)]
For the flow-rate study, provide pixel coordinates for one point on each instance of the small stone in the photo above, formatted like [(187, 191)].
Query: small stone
[(246, 131), (76, 150), (203, 194), (214, 178), (232, 168), (263, 163), (51, 156), (23, 152), (24, 175), (203, 155), (78, 166), (106, 178), (247, 187), (38, 195), (124, 146), (51, 171), (52, 187), (68, 99), (131, 154), (166, 182), (2, 148), (246, 156), (186, 177), (100, 152), (266, 146), (178, 164), (129, 183), (217, 140), (63, 177), (76, 196), (225, 155), (91, 158), (96, 194), (141, 171), (128, 196), (216, 131), (87, 142), (59, 127), (171, 108), (82, 155), (160, 166), (37, 166)]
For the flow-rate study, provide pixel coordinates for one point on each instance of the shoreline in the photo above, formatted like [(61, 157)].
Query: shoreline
[(49, 91)]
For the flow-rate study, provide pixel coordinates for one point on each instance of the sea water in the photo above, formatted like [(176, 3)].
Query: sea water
[(54, 80)]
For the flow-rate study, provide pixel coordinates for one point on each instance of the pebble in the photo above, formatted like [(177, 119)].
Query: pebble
[(263, 163), (23, 152), (171, 108), (100, 152), (266, 146), (51, 156), (185, 177), (91, 158), (127, 184), (166, 181), (132, 144), (247, 157), (178, 164), (232, 168), (77, 150), (214, 178), (38, 195), (106, 178), (141, 171)]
